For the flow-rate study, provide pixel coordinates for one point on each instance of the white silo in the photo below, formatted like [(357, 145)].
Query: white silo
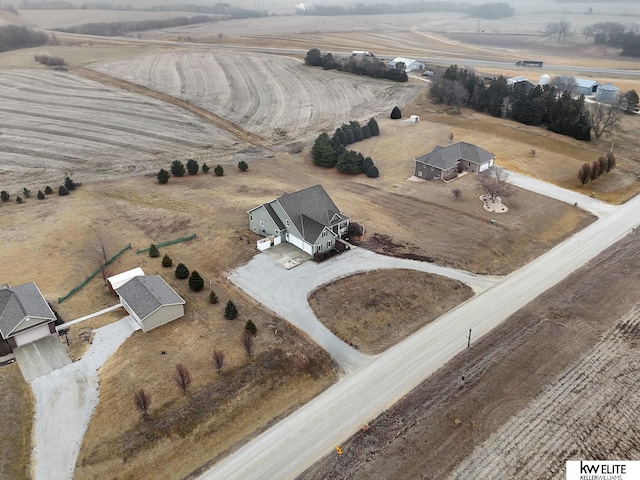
[(607, 93), (545, 79)]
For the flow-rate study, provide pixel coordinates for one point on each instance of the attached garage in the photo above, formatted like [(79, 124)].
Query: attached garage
[(32, 335)]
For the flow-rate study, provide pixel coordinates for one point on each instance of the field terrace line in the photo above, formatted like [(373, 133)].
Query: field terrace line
[(206, 115)]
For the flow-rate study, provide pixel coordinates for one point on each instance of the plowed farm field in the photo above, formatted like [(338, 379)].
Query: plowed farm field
[(262, 93), (54, 124)]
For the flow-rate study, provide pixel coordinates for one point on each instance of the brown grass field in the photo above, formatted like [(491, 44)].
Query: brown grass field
[(419, 218)]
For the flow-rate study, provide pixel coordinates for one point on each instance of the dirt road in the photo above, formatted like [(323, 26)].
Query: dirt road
[(294, 444)]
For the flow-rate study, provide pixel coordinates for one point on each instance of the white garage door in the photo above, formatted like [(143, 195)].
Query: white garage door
[(32, 335)]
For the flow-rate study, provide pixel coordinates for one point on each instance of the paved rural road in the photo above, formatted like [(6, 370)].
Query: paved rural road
[(291, 446), (288, 296)]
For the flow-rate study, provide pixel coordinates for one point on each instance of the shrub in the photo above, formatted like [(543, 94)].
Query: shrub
[(213, 298), (48, 190), (40, 195), (62, 191), (153, 251), (251, 327), (18, 199), (167, 261), (230, 311), (243, 166), (163, 176), (367, 163), (4, 196), (196, 283), (26, 192), (192, 166), (373, 127), (70, 184), (182, 271), (50, 61), (177, 168), (396, 113), (205, 168), (373, 172), (218, 170)]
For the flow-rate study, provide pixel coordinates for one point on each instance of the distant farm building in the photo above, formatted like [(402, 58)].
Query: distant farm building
[(444, 163), (150, 301), (607, 93), (585, 87), (545, 79), (25, 316), (410, 65), (524, 81)]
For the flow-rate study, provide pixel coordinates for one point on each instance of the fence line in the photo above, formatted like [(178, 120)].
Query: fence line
[(170, 242)]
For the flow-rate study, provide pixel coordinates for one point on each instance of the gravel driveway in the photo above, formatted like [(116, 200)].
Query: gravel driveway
[(65, 400), (290, 289)]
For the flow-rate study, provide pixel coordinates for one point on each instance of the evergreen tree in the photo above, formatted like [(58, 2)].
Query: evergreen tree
[(205, 168), (4, 196), (69, 184), (350, 162), (26, 192), (251, 327), (396, 113), (373, 172), (314, 58), (62, 191), (196, 283), (213, 298), (40, 195), (153, 251), (177, 168), (167, 261), (192, 167), (357, 133), (243, 166), (342, 135), (366, 132), (351, 138), (218, 170), (367, 163), (18, 199), (163, 176), (230, 311), (182, 271), (322, 152), (373, 126), (48, 190)]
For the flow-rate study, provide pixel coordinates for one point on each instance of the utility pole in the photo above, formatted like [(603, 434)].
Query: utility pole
[(466, 359)]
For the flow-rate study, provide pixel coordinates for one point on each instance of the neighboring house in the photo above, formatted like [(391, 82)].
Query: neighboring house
[(585, 87), (513, 81), (150, 301), (25, 316), (307, 219), (444, 163), (410, 65)]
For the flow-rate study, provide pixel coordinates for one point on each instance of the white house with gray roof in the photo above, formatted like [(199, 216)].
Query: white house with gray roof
[(150, 301), (25, 316), (444, 163), (307, 219)]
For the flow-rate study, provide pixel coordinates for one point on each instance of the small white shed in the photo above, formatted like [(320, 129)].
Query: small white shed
[(414, 118)]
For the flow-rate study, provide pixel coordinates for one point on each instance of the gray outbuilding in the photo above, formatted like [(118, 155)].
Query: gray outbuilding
[(607, 93), (150, 301)]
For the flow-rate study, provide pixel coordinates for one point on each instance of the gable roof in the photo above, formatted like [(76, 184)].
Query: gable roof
[(586, 83), (19, 303), (148, 293), (406, 61), (120, 279), (310, 210), (448, 157)]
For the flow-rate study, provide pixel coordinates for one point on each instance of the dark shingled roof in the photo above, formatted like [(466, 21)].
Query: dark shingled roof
[(18, 303), (311, 210), (445, 158), (274, 215), (145, 294)]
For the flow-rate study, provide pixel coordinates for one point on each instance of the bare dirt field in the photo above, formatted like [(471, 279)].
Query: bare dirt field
[(263, 92), (382, 307), (510, 374), (16, 406)]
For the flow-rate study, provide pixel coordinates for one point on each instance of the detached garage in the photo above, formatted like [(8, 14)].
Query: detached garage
[(25, 316), (150, 301)]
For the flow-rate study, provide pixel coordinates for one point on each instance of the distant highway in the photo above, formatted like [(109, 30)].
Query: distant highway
[(471, 62)]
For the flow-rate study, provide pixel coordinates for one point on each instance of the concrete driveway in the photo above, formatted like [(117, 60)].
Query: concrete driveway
[(41, 357), (286, 291)]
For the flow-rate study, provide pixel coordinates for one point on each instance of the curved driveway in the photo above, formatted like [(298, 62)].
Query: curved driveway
[(286, 291)]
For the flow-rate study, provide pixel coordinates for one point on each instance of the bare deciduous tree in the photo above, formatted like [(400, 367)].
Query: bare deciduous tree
[(182, 376), (564, 83), (457, 193), (493, 182), (584, 174), (218, 360), (595, 170), (247, 342), (602, 165), (603, 118), (611, 161), (142, 401)]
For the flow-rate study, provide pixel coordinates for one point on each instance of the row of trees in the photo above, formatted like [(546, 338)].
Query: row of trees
[(617, 35), (13, 37), (178, 169), (487, 10), (590, 172), (63, 190), (112, 29), (368, 66)]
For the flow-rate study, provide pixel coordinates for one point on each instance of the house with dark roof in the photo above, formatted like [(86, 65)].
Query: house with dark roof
[(444, 163), (150, 301), (25, 316), (307, 219)]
